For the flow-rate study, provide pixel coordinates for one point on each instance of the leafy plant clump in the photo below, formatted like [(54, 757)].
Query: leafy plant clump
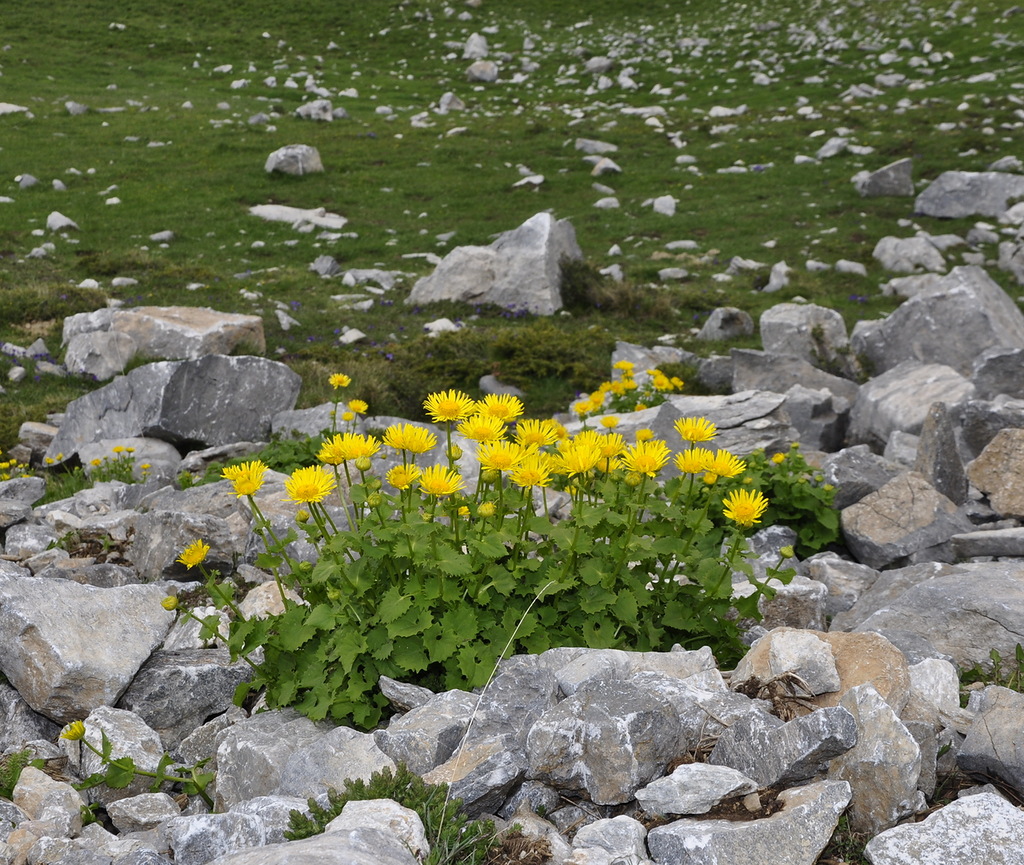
[(1007, 672), (420, 577), (11, 766), (452, 836)]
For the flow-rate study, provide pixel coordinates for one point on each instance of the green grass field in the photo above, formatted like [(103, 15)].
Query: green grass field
[(179, 154)]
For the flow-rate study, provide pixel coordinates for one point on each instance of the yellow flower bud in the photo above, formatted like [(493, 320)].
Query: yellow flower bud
[(169, 603), (374, 484), (454, 452), (634, 479), (302, 516), (486, 509), (374, 500), (490, 476), (787, 552), (363, 463)]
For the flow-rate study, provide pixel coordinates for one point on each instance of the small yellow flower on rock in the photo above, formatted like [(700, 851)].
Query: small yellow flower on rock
[(449, 405), (310, 485), (194, 554), (644, 435), (74, 732), (609, 422), (247, 478), (744, 507), (169, 603), (339, 379)]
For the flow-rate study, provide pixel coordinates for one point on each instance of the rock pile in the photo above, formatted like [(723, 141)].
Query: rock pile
[(625, 755)]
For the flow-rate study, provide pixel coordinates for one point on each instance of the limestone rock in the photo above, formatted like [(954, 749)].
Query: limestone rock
[(295, 159), (388, 816), (895, 179), (693, 788), (520, 270), (954, 194), (998, 472), (726, 322), (908, 255), (938, 455), (811, 332), (102, 355), (69, 648), (994, 747), (355, 847)]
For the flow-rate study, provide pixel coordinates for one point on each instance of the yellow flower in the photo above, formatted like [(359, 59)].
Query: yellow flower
[(440, 481), (644, 435), (646, 458), (339, 379), (96, 462), (74, 731), (625, 365), (581, 408), (348, 416), (118, 449), (358, 406), (500, 455), (408, 437), (194, 554), (169, 603), (310, 484), (482, 428), (503, 406), (246, 477), (692, 460), (640, 406), (677, 382), (536, 433), (449, 405), (660, 381), (695, 429), (609, 422), (534, 470), (617, 388), (130, 450), (347, 446), (724, 464), (611, 446), (778, 458), (402, 477), (578, 457), (744, 507)]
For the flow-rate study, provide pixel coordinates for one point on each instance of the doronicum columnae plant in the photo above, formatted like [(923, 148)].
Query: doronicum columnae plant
[(430, 580)]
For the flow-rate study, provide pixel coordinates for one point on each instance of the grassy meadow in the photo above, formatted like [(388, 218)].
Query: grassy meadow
[(171, 86)]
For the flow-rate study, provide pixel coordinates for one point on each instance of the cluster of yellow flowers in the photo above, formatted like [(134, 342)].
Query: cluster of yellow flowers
[(13, 469), (625, 394), (536, 452)]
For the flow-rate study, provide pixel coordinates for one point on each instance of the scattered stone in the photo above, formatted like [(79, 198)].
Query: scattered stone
[(955, 194), (894, 179), (295, 159)]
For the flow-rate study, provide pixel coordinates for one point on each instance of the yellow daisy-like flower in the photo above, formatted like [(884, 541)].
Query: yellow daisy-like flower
[(440, 481), (611, 445), (533, 471), (744, 507), (643, 434), (503, 406), (402, 477), (693, 460), (646, 458), (359, 406), (500, 455), (348, 416), (609, 422), (310, 484), (194, 554), (347, 446), (411, 438), (449, 405), (118, 449), (536, 433), (778, 458), (640, 406), (725, 465), (578, 457), (624, 365), (482, 428), (74, 732), (339, 379), (695, 429), (661, 381), (247, 478), (581, 408), (617, 388), (96, 462), (677, 382)]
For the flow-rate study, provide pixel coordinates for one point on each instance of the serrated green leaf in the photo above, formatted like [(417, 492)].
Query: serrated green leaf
[(451, 562), (409, 654), (393, 604), (120, 773)]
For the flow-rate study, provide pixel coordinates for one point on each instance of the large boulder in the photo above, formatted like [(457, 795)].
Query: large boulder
[(214, 400), (811, 332), (520, 270), (297, 159), (955, 194), (951, 323)]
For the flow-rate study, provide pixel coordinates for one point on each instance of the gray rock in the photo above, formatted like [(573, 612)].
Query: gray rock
[(521, 269), (846, 581), (982, 828), (161, 535), (1011, 259), (819, 417), (19, 724), (27, 490), (693, 788), (790, 653), (404, 696), (905, 517), (274, 812), (938, 456), (481, 774), (887, 586), (427, 736), (795, 835), (772, 752), (318, 109), (908, 255), (512, 702), (900, 399), (608, 740), (297, 159), (100, 355), (896, 179), (726, 322), (475, 48), (69, 648), (210, 401), (356, 847), (998, 371), (813, 333), (315, 766), (45, 799), (387, 816), (980, 420), (622, 837), (1000, 543), (489, 384), (174, 692), (757, 370), (994, 747), (963, 614), (201, 838), (485, 71), (882, 768), (25, 540), (143, 812), (966, 302), (954, 194), (325, 265)]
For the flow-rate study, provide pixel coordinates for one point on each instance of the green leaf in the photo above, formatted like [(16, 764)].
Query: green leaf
[(120, 773), (451, 562), (412, 622), (393, 604), (409, 654)]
